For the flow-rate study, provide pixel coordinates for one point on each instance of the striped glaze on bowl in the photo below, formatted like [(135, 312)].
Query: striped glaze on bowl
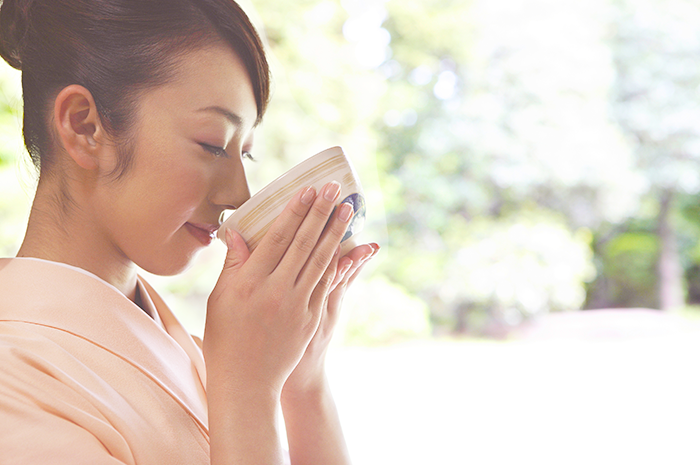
[(253, 219)]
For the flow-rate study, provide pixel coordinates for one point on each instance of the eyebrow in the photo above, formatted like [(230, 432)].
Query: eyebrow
[(232, 117)]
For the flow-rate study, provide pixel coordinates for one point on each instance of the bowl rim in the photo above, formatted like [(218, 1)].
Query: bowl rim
[(274, 186)]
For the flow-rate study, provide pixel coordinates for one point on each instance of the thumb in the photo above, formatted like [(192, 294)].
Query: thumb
[(237, 253)]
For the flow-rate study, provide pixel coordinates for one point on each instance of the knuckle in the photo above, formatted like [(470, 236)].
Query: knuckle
[(279, 236), (299, 210), (304, 242), (339, 228), (321, 213), (231, 263), (321, 260), (326, 281)]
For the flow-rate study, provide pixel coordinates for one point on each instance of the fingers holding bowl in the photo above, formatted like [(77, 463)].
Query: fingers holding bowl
[(350, 265), (327, 244), (304, 237), (308, 233), (274, 244)]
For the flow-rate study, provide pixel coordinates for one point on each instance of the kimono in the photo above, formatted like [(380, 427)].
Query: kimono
[(88, 377)]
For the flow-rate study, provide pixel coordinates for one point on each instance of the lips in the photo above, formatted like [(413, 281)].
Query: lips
[(204, 233)]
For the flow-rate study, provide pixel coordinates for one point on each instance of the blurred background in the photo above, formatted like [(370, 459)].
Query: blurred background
[(526, 164)]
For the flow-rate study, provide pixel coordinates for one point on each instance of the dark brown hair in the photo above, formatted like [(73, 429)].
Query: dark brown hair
[(115, 49)]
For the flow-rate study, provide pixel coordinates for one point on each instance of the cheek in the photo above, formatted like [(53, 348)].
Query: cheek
[(181, 193), (167, 183), (174, 178), (160, 198)]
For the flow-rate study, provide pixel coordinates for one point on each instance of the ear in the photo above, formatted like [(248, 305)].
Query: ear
[(79, 126)]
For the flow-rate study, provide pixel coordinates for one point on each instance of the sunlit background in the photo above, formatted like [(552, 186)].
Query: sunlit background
[(523, 161)]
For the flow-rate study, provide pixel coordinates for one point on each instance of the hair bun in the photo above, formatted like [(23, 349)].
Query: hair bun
[(14, 24)]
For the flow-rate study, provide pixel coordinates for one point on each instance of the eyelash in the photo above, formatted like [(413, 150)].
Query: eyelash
[(221, 152)]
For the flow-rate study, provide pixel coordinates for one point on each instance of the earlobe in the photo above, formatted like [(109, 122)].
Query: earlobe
[(78, 125)]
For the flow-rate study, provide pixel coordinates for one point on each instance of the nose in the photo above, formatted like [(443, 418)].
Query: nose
[(231, 187)]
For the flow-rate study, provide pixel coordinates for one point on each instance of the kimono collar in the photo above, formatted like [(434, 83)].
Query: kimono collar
[(73, 300)]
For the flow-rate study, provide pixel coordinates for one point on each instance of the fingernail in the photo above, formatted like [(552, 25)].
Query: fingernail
[(332, 191), (345, 212), (344, 270), (308, 196)]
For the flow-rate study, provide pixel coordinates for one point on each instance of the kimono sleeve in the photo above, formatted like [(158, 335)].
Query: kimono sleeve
[(43, 420)]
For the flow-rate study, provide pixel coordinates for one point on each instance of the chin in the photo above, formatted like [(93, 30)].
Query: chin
[(175, 265)]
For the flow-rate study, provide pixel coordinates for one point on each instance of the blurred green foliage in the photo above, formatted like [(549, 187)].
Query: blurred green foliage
[(15, 179), (10, 116), (518, 157), (493, 126)]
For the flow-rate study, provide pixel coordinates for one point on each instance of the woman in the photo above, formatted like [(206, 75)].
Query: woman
[(138, 114)]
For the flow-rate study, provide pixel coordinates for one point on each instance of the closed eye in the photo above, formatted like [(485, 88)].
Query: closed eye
[(214, 150)]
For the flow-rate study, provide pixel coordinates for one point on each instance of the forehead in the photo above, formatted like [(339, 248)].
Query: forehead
[(209, 77)]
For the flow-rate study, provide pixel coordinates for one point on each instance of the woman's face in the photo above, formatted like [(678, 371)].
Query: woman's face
[(190, 139)]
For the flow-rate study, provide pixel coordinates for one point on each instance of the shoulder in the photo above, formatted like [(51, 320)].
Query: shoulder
[(45, 416), (66, 400), (78, 357), (36, 365)]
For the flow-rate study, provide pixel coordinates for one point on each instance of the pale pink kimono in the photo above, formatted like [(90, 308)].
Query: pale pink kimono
[(87, 377)]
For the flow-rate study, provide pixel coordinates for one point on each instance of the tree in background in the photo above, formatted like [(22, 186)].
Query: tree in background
[(16, 175), (500, 131), (498, 180), (507, 184), (655, 47)]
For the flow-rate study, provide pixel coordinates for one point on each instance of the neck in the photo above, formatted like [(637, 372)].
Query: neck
[(60, 230)]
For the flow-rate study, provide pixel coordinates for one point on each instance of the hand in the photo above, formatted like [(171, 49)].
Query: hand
[(267, 305), (308, 378)]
